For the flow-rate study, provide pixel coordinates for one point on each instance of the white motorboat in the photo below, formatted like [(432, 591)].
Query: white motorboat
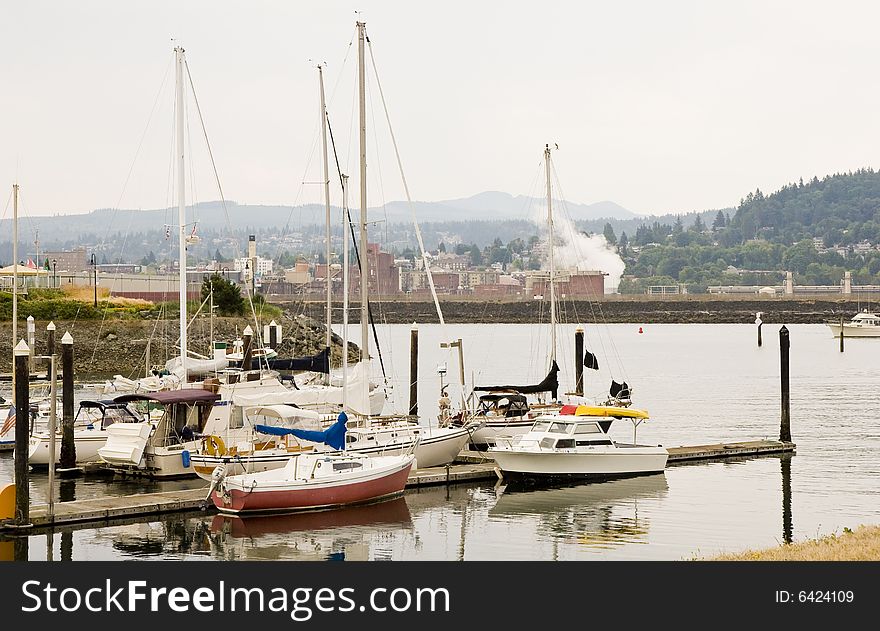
[(575, 443), (90, 431), (864, 324)]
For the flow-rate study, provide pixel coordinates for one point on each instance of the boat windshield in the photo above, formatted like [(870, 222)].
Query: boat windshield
[(541, 426), (561, 428)]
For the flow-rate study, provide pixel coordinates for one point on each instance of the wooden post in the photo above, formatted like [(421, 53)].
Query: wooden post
[(787, 529), (760, 323), (273, 335), (22, 435), (50, 339), (147, 359), (414, 370), (247, 350), (841, 334), (579, 361), (785, 423), (31, 341), (53, 426), (68, 447)]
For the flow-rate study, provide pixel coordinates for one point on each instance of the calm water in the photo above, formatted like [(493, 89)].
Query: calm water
[(701, 383)]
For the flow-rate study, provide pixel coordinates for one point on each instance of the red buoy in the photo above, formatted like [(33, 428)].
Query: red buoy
[(640, 330)]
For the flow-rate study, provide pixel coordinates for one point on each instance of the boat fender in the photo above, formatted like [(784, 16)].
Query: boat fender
[(184, 457), (215, 446)]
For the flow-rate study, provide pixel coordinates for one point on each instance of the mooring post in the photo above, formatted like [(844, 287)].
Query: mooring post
[(68, 447), (147, 359), (53, 426), (22, 435), (841, 334), (760, 323), (31, 341), (579, 361), (414, 370), (273, 335), (785, 423), (247, 351), (787, 529), (50, 339)]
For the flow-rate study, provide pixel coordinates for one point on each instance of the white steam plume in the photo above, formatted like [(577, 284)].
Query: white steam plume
[(576, 251)]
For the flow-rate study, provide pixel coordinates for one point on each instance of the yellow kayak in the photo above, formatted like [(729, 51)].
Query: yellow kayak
[(603, 410)]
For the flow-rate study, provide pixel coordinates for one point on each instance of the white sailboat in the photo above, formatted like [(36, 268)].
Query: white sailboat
[(163, 448)]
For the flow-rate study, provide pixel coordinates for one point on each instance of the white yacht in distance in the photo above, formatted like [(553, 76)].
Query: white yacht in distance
[(575, 443), (864, 324)]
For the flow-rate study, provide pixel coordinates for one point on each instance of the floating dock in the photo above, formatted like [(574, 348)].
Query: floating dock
[(470, 467)]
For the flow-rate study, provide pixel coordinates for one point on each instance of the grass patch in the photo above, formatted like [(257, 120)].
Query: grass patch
[(861, 544)]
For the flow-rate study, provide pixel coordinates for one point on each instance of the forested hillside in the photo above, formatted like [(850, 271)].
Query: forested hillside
[(816, 229)]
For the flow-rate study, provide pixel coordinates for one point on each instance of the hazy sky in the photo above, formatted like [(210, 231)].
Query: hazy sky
[(658, 106)]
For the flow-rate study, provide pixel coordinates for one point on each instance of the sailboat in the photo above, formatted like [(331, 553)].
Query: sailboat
[(356, 395), (573, 440), (162, 448)]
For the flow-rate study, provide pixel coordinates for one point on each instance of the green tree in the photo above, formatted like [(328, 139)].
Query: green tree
[(227, 295), (610, 237), (720, 222)]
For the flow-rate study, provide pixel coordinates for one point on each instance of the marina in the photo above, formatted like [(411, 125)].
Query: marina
[(150, 504)]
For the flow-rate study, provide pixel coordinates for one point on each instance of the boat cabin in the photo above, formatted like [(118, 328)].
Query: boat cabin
[(866, 319), (556, 432), (185, 413), (503, 405), (103, 414)]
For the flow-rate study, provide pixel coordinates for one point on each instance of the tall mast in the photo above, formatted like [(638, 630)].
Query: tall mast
[(552, 263), (365, 257), (345, 254), (181, 208), (14, 267), (327, 208)]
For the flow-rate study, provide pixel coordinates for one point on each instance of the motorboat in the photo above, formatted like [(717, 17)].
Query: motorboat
[(313, 481), (863, 324), (575, 443), (90, 431), (160, 448), (503, 414)]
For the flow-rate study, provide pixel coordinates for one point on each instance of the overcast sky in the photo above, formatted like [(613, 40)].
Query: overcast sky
[(659, 106)]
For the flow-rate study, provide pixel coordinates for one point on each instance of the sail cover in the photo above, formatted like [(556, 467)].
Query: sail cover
[(314, 363), (334, 436), (549, 384)]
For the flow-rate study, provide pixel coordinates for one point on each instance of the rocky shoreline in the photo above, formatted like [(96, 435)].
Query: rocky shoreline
[(639, 310), (118, 346)]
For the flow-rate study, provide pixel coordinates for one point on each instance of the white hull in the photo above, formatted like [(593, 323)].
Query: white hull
[(599, 462), (438, 446), (86, 441), (492, 431), (855, 331)]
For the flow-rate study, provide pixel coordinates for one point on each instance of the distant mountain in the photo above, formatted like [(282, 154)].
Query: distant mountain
[(488, 206)]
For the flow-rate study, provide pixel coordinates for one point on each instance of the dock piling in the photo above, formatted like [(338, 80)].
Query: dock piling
[(414, 370), (579, 361), (760, 323), (50, 339), (31, 341), (785, 422), (247, 348), (22, 355), (68, 447), (841, 334)]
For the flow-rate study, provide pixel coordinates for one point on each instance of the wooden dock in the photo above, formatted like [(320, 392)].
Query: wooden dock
[(470, 467)]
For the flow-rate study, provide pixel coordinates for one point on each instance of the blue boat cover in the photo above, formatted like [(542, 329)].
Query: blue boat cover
[(334, 436)]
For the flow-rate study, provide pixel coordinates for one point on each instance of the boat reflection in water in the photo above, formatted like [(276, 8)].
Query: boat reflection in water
[(352, 533), (600, 515)]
